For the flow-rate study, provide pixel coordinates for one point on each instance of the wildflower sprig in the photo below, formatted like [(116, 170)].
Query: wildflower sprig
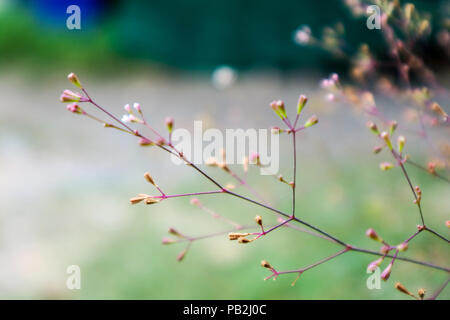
[(285, 219)]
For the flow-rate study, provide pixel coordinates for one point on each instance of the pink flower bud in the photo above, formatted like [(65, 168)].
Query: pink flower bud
[(167, 241), (70, 96), (402, 246), (374, 264), (72, 77), (302, 100), (311, 121), (386, 166), (373, 235), (127, 108), (278, 107), (137, 107), (169, 123), (73, 107), (386, 272)]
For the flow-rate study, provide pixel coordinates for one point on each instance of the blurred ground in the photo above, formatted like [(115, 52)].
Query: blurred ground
[(66, 182)]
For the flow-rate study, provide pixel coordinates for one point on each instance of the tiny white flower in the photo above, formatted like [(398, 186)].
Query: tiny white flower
[(137, 106), (126, 118), (127, 108)]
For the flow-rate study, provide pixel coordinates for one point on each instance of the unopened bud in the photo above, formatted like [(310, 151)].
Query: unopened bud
[(392, 127), (174, 232), (386, 166), (74, 108), (311, 121), (373, 235), (401, 143), (70, 96), (386, 272), (435, 107), (169, 124), (167, 241), (145, 142), (258, 220), (385, 136), (377, 149), (447, 223), (72, 77), (402, 246), (244, 240), (374, 264), (302, 100), (181, 255), (278, 107), (151, 200), (266, 264), (373, 127)]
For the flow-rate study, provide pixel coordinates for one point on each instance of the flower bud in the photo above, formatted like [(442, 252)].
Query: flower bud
[(373, 235), (72, 77), (447, 223), (137, 107), (402, 246), (195, 201), (181, 255), (373, 127), (278, 107), (374, 264), (266, 264), (74, 108), (276, 130), (386, 272), (392, 127), (127, 108), (385, 136), (377, 149), (70, 96), (386, 166), (258, 220), (311, 121), (151, 200), (174, 232), (169, 124), (302, 100), (167, 241), (401, 143), (145, 142), (435, 107)]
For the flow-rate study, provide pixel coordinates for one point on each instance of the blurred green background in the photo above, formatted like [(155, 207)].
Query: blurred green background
[(66, 181)]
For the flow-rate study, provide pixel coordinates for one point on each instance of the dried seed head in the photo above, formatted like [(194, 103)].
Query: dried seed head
[(149, 178), (151, 200), (400, 287), (244, 240), (258, 220), (421, 292), (236, 235), (266, 264), (72, 77), (373, 127), (311, 121), (137, 199)]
